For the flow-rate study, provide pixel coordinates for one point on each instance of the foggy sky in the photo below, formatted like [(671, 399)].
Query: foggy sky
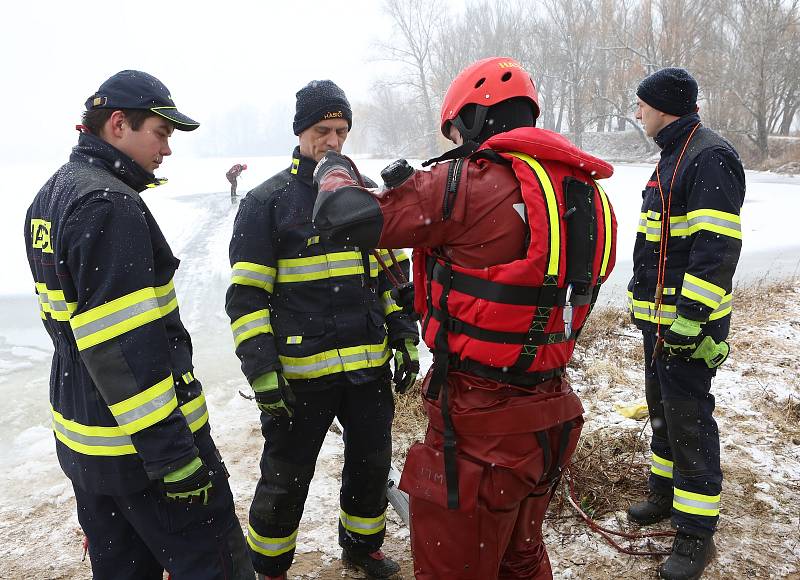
[(213, 57)]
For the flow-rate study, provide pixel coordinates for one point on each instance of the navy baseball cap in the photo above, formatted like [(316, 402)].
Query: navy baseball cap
[(133, 89)]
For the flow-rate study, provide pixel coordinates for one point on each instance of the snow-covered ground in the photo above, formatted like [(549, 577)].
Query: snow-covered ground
[(193, 209)]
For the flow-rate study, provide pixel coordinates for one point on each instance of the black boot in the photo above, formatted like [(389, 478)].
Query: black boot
[(690, 556), (375, 564), (655, 508)]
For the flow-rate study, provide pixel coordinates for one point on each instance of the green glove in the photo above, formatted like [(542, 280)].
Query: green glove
[(274, 395), (713, 353), (406, 365), (189, 483), (682, 337)]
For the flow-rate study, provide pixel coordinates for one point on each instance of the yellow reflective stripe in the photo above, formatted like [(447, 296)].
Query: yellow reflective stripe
[(363, 526), (724, 308), (251, 325), (661, 466), (187, 377), (712, 220), (644, 310), (122, 315), (251, 274), (312, 240), (704, 292), (389, 305), (295, 166), (335, 361), (146, 408), (552, 211), (399, 255), (113, 441), (54, 303), (324, 266), (270, 546), (696, 503), (607, 225)]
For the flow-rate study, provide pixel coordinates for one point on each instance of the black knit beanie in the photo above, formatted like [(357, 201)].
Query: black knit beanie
[(320, 100), (670, 90)]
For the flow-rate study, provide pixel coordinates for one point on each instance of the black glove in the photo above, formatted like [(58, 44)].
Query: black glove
[(274, 395), (403, 296), (406, 365), (191, 483)]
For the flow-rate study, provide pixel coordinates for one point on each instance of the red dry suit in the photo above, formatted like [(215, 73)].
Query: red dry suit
[(504, 241)]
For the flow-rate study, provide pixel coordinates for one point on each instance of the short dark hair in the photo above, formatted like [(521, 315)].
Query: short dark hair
[(95, 119)]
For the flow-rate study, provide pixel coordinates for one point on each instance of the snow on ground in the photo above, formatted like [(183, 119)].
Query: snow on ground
[(194, 210)]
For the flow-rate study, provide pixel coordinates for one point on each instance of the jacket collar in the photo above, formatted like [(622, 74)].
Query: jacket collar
[(303, 167), (91, 149), (674, 133)]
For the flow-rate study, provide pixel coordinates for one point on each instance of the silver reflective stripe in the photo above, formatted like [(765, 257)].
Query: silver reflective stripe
[(731, 225), (349, 523), (92, 440), (197, 413), (261, 321), (267, 279), (314, 268), (146, 408), (55, 305), (679, 228), (705, 292), (122, 315), (703, 505), (276, 545), (334, 361), (660, 466)]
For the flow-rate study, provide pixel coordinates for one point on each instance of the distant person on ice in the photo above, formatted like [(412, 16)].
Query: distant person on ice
[(686, 251), (233, 175), (314, 326), (130, 419)]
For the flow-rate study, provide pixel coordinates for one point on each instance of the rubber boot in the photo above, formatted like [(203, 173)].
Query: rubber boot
[(374, 565), (655, 508), (690, 556)]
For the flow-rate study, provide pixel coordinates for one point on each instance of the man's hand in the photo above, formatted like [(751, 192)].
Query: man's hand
[(711, 352), (274, 395), (682, 337), (406, 365), (190, 483)]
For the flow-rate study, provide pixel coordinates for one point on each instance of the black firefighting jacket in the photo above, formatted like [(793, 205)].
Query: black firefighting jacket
[(704, 236), (315, 311), (126, 408)]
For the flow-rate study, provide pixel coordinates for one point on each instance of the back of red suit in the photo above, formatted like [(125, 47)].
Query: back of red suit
[(502, 293)]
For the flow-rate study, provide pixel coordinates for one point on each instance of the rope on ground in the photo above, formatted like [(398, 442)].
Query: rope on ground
[(607, 533)]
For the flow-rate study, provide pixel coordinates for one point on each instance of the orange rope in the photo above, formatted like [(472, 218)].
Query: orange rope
[(664, 233)]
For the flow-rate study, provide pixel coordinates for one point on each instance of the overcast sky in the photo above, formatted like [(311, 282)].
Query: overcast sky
[(211, 56)]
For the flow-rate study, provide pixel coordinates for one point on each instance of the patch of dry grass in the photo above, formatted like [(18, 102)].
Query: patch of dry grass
[(609, 471), (409, 422)]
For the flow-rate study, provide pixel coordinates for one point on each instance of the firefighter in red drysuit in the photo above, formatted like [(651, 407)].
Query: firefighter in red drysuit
[(512, 238)]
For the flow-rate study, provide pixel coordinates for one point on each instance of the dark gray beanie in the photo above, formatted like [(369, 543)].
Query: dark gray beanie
[(320, 100), (670, 90)]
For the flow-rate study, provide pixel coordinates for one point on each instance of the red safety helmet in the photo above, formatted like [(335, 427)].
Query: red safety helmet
[(485, 83)]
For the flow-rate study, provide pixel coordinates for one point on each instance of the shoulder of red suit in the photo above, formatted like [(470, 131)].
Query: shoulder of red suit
[(544, 145)]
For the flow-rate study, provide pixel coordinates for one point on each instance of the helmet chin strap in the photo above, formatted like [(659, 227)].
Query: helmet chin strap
[(469, 133)]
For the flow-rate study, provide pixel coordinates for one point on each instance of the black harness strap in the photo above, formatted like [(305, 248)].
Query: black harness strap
[(458, 326), (502, 376), (450, 456), (441, 352), (497, 292)]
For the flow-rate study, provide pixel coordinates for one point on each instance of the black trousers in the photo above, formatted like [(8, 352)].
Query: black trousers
[(685, 443), (290, 453), (138, 536)]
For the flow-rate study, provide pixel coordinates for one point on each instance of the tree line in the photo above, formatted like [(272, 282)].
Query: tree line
[(587, 57)]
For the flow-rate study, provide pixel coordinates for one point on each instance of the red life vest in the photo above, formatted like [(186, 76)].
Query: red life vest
[(508, 321)]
